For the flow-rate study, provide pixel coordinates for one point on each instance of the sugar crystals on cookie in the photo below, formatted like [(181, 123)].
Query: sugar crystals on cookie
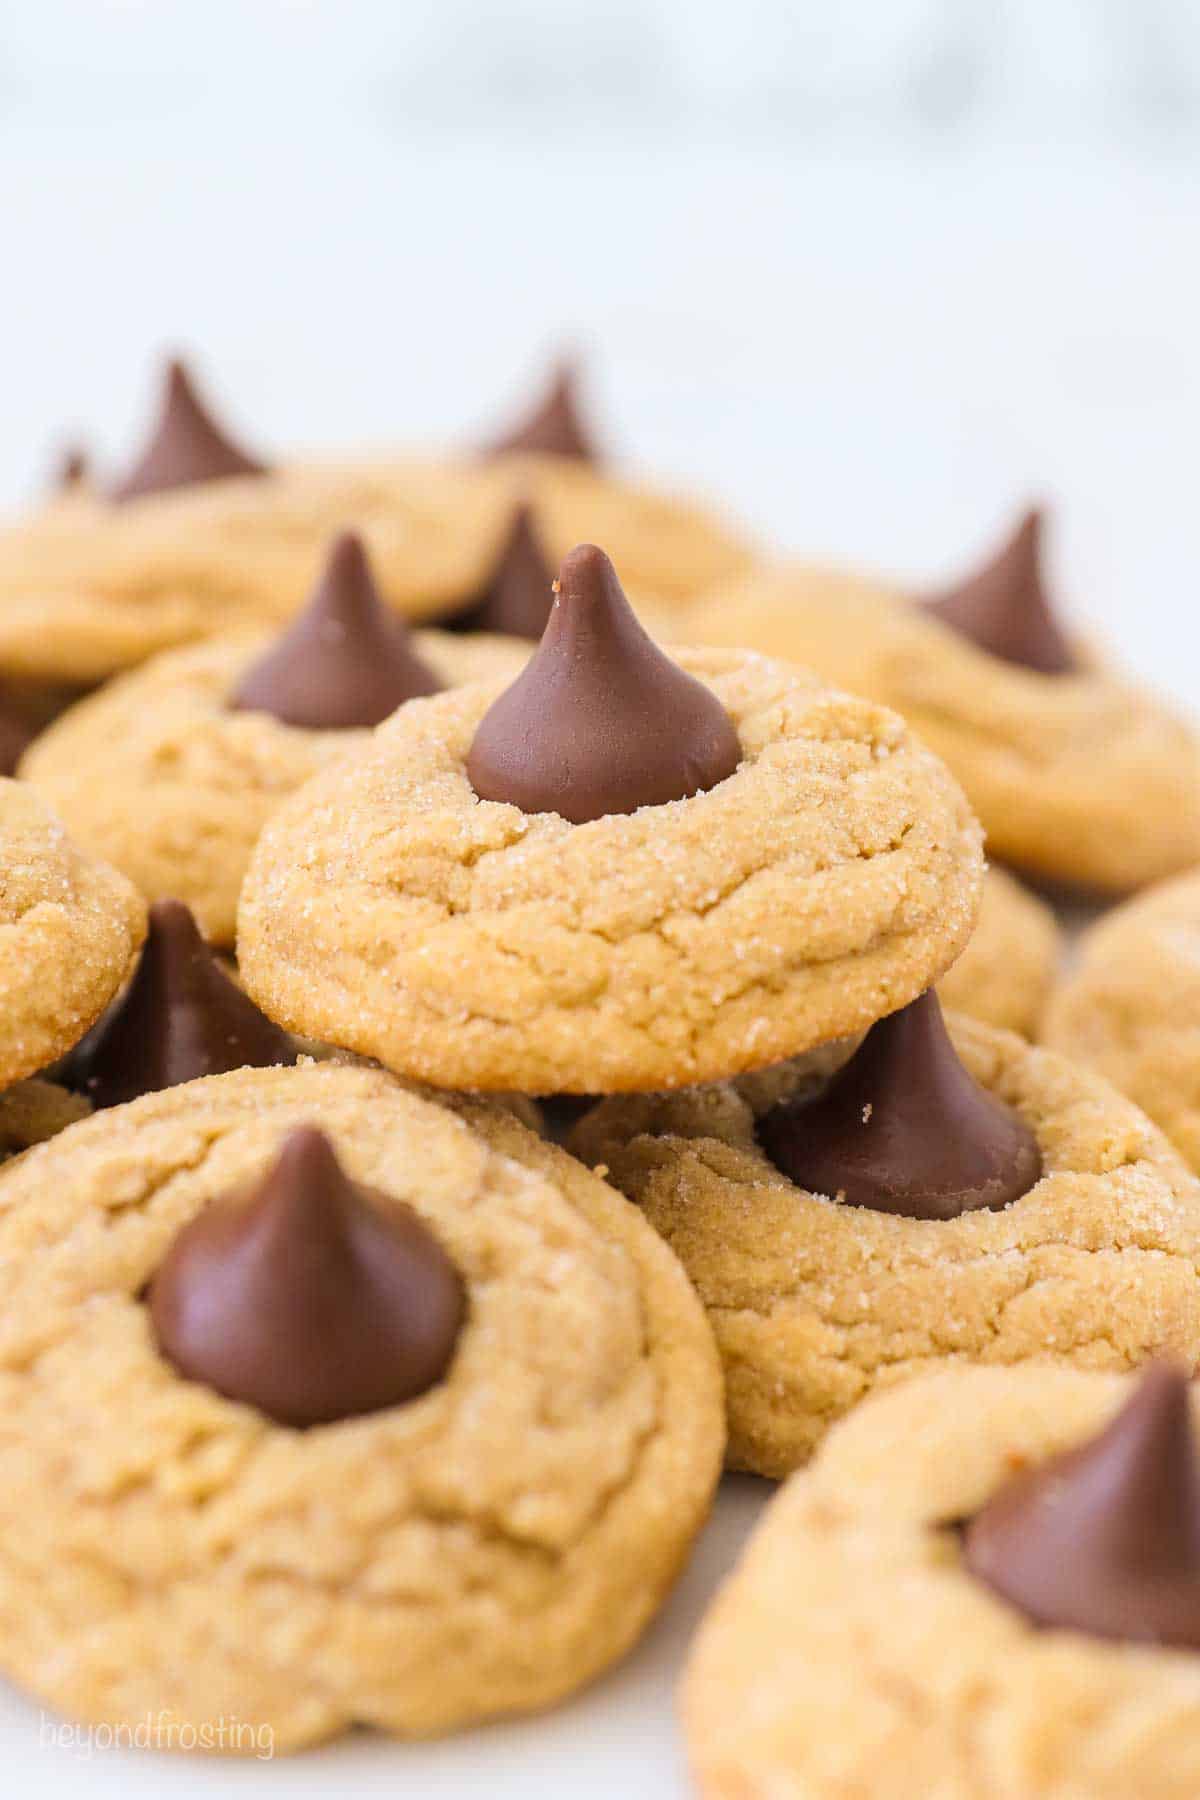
[(627, 869), (939, 1201), (358, 1409), (863, 1647)]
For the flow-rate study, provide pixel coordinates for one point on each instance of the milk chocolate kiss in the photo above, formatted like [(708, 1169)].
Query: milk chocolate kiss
[(519, 592), (599, 721), (904, 1128), (345, 661), (186, 445), (1004, 608), (180, 1017), (554, 426), (1105, 1539), (309, 1297)]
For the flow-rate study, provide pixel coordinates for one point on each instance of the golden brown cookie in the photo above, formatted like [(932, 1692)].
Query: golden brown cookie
[(816, 1303), (1130, 1006), (157, 774), (483, 1549), (69, 927), (92, 588), (668, 547), (1082, 778), (35, 1110), (85, 592), (1007, 969), (825, 882), (852, 1652)]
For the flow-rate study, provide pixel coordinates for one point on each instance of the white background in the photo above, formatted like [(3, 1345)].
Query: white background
[(876, 273)]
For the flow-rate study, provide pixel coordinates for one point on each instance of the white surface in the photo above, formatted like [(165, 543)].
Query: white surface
[(873, 339), (875, 351)]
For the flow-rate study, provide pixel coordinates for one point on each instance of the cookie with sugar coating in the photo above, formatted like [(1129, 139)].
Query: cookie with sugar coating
[(853, 1651), (816, 1303), (481, 1549), (826, 881), (1082, 778)]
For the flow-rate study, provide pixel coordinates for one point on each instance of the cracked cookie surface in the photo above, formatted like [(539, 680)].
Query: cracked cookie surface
[(93, 588), (69, 928), (826, 882), (815, 1303), (853, 1653), (1085, 779), (155, 772), (484, 1549), (1005, 974), (1130, 1007)]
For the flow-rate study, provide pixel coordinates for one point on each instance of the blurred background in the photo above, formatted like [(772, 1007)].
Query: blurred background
[(874, 272)]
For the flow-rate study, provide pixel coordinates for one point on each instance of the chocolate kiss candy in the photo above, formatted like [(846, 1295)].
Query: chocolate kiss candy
[(309, 1298), (599, 721), (180, 1017), (554, 427), (345, 661), (1004, 608), (1106, 1538), (519, 592), (186, 445), (904, 1128)]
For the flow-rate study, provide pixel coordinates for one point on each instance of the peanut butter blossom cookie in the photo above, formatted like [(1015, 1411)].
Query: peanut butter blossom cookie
[(987, 1584), (1005, 974), (200, 537), (173, 770), (69, 929), (938, 1200), (1130, 1007), (326, 1405), (621, 872), (1077, 775)]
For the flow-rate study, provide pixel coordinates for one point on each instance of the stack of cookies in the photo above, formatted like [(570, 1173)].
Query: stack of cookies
[(472, 1072)]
